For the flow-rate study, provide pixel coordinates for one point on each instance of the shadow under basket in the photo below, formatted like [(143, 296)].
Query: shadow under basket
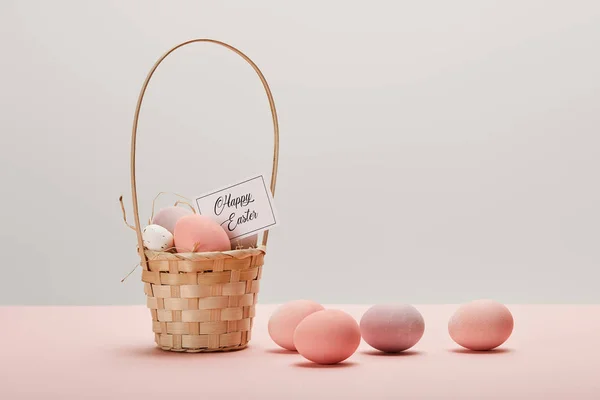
[(203, 302)]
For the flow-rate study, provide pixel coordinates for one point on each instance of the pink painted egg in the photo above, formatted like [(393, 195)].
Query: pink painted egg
[(392, 328), (168, 217), (199, 233), (327, 337), (286, 318), (481, 325)]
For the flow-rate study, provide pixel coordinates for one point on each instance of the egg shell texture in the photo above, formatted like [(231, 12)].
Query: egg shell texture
[(286, 318), (199, 233), (392, 328), (327, 337), (481, 325), (168, 217), (157, 238)]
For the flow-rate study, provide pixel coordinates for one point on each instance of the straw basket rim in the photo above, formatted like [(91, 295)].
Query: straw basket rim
[(208, 255)]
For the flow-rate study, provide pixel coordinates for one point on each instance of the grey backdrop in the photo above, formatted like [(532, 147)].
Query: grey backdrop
[(431, 152)]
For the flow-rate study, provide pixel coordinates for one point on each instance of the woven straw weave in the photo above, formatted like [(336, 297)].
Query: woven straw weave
[(203, 301)]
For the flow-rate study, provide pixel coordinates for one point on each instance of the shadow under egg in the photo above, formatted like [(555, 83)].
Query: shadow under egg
[(481, 352), (405, 353), (312, 365)]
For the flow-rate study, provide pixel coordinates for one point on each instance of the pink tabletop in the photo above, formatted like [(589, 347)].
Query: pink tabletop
[(109, 353)]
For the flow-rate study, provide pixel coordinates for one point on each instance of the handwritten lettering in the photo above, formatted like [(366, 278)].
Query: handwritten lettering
[(233, 221), (229, 202)]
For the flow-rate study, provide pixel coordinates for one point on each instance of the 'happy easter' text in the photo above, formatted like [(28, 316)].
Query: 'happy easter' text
[(234, 220)]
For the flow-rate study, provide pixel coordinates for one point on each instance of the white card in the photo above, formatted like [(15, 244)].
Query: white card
[(243, 209)]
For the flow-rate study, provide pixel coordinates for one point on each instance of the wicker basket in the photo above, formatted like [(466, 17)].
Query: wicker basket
[(201, 302)]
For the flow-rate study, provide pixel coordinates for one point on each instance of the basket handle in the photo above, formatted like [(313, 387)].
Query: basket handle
[(135, 127)]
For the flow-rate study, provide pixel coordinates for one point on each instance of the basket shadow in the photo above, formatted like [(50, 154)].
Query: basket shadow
[(157, 352), (406, 353), (481, 352), (312, 365)]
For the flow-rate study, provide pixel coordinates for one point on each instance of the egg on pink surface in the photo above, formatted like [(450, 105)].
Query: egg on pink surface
[(327, 337), (392, 328), (286, 318), (481, 325), (167, 217), (199, 233)]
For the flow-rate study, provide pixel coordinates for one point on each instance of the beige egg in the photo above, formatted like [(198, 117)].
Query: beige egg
[(481, 325), (157, 238)]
